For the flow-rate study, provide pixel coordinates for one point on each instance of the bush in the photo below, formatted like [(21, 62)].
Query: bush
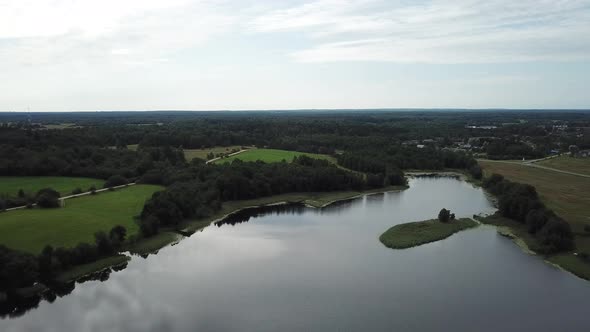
[(115, 180), (117, 235), (444, 215), (47, 198), (149, 226), (556, 236), (476, 172), (77, 191), (104, 246), (19, 269)]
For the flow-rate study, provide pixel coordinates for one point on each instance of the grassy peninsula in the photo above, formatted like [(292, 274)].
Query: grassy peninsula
[(417, 233)]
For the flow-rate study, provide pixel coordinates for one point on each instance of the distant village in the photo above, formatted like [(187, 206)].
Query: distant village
[(552, 138)]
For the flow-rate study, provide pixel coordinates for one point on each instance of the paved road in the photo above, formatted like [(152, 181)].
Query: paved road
[(76, 195)]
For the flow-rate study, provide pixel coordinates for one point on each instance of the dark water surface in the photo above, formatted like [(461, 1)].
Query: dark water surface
[(302, 269)]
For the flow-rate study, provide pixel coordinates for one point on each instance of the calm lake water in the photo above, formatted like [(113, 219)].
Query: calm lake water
[(303, 269)]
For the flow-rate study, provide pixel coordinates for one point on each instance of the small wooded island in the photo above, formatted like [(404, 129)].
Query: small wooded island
[(417, 233)]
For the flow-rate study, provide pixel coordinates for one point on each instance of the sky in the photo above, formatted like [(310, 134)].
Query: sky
[(68, 55)]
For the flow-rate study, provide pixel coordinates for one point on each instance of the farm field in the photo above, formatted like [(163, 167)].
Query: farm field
[(10, 185), (567, 195), (567, 163), (272, 155), (31, 229)]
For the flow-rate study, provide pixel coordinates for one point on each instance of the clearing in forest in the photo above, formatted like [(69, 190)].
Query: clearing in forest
[(31, 229), (272, 156), (10, 185)]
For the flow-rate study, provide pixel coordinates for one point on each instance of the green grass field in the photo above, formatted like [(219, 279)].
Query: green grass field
[(421, 232), (10, 185), (567, 163), (31, 229), (189, 154), (272, 156)]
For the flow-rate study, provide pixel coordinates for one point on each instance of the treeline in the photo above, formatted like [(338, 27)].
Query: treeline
[(85, 161), (21, 269), (511, 149), (521, 202), (390, 160), (209, 185)]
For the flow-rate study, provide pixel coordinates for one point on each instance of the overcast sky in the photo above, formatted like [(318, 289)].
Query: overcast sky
[(272, 54)]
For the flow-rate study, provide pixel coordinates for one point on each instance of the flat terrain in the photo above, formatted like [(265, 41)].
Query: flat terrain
[(31, 229), (421, 232), (567, 163), (568, 195), (272, 156), (10, 185), (189, 154)]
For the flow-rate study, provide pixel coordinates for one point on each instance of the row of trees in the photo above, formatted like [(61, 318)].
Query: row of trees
[(521, 202), (44, 198), (86, 161), (49, 197), (21, 269), (386, 160)]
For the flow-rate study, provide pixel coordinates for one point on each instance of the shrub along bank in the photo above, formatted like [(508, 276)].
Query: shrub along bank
[(520, 202)]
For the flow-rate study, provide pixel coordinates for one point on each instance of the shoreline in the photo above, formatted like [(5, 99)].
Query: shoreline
[(510, 229), (168, 237)]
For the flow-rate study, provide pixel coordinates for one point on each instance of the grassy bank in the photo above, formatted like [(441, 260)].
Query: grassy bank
[(417, 233), (568, 261), (152, 244), (567, 195), (272, 156), (316, 199), (32, 229), (10, 185), (80, 271)]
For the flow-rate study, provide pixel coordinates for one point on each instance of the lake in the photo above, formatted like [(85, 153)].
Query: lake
[(305, 269)]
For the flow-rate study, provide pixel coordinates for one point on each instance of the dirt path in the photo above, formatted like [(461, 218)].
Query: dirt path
[(76, 195), (229, 155), (533, 163)]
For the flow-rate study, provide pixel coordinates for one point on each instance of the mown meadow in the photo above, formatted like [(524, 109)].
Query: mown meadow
[(32, 229)]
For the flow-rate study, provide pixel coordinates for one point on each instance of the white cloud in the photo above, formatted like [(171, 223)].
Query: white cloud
[(55, 31), (219, 54), (463, 31)]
